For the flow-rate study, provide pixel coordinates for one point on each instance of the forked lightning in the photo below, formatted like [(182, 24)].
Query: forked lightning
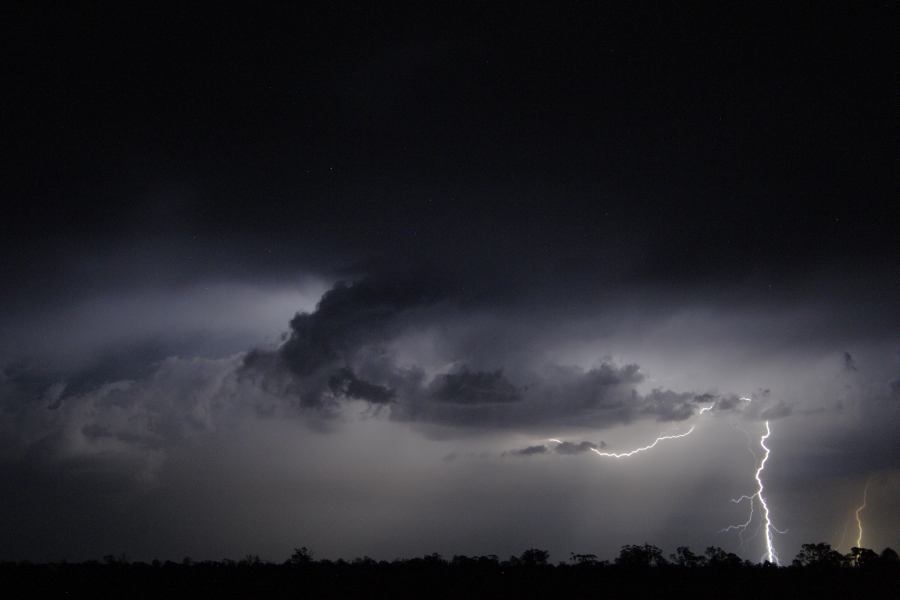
[(759, 496)]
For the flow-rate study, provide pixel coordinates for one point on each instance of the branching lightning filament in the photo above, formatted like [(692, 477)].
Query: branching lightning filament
[(759, 496)]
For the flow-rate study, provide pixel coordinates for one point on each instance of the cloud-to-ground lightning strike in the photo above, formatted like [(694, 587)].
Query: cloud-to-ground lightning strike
[(862, 507), (759, 496)]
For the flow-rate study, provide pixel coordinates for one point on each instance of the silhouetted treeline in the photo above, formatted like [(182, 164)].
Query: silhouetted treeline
[(640, 571)]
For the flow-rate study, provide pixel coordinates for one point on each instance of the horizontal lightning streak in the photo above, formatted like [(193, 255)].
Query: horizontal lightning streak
[(703, 410), (642, 448)]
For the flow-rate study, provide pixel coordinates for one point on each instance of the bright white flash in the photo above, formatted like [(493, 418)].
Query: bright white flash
[(703, 410), (758, 496), (861, 508), (642, 448)]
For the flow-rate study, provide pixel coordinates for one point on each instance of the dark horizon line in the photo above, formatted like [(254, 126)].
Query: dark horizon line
[(630, 555)]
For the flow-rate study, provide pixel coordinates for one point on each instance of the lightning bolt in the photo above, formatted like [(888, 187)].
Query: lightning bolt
[(770, 549), (861, 508), (742, 528), (759, 497), (642, 448), (703, 410)]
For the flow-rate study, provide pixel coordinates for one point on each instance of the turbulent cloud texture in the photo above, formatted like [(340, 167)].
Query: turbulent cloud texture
[(403, 356), (564, 447), (302, 278), (346, 349)]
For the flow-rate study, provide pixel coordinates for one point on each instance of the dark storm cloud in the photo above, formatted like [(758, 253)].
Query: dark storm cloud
[(535, 209), (529, 451), (129, 423), (350, 316), (346, 349), (466, 387), (728, 403), (123, 435), (345, 383), (778, 411), (315, 362), (564, 448), (761, 407), (573, 448), (667, 405), (597, 397)]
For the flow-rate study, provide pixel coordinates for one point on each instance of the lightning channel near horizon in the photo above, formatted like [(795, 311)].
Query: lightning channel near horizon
[(859, 509), (759, 496)]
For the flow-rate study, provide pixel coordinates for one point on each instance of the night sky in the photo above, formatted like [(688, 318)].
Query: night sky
[(335, 276)]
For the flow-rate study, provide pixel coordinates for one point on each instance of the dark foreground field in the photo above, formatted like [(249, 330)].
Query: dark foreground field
[(639, 572)]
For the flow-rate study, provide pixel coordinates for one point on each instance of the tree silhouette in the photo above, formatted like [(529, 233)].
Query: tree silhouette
[(583, 560), (646, 555), (861, 557), (889, 557), (301, 556), (684, 557), (251, 560), (534, 557), (818, 555), (719, 558), (640, 571)]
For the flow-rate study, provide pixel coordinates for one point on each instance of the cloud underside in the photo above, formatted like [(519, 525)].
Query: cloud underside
[(343, 351), (564, 448), (350, 349)]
